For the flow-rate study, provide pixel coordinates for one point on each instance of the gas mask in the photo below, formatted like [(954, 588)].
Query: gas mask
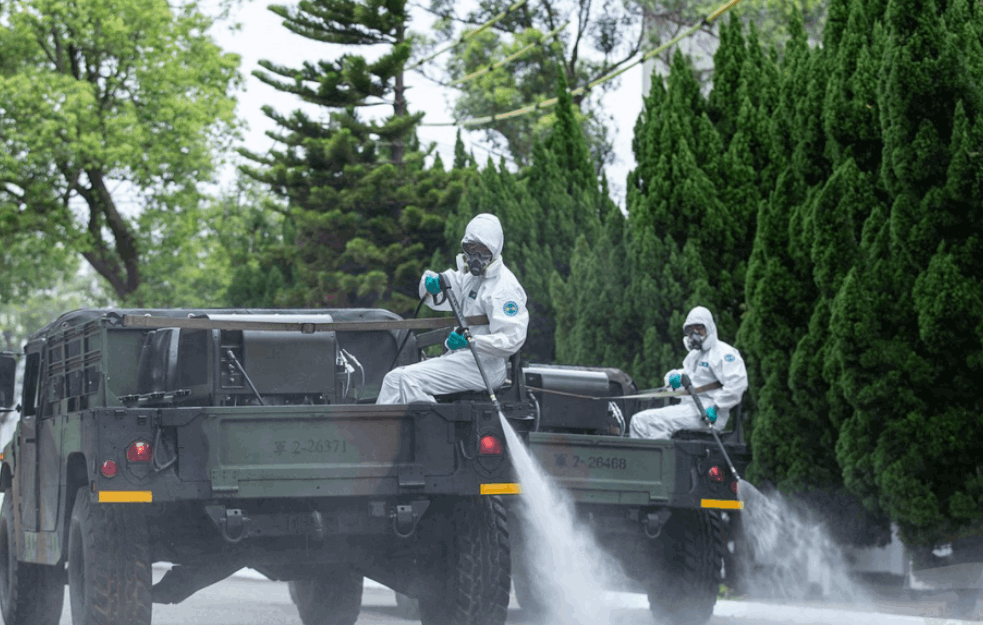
[(476, 256), (695, 334)]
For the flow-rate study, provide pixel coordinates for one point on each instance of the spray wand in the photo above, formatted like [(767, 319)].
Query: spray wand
[(688, 385), (466, 333)]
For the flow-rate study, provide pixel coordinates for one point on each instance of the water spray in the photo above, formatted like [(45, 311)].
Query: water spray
[(777, 533), (566, 551)]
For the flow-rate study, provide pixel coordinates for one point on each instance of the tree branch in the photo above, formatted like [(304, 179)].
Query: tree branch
[(126, 243)]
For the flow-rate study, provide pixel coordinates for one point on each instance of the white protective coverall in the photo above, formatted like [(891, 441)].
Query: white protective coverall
[(497, 294), (716, 361)]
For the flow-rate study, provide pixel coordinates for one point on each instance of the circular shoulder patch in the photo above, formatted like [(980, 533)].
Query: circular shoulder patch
[(730, 358), (511, 308)]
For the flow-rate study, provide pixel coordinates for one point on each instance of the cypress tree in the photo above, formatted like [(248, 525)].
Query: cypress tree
[(909, 444), (352, 183), (592, 305), (778, 283), (693, 200), (831, 221), (544, 211), (672, 207)]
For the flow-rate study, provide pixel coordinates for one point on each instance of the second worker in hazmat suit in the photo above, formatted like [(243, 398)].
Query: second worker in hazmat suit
[(709, 360), (482, 285)]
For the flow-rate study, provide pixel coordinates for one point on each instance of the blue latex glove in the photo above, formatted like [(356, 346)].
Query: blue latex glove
[(433, 284), (455, 341), (675, 381), (712, 414)]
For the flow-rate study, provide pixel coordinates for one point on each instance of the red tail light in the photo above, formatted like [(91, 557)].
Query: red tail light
[(109, 468), (733, 487), (139, 452), (490, 446), (715, 474)]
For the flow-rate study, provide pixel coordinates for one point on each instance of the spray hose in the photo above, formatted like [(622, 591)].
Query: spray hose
[(688, 385), (465, 331)]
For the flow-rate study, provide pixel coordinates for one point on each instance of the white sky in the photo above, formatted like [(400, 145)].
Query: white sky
[(262, 36)]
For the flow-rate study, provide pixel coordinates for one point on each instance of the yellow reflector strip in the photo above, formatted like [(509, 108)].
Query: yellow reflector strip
[(724, 504), (1, 455), (125, 496), (501, 489)]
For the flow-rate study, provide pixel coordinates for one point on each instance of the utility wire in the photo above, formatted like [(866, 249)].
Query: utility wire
[(471, 33), (478, 121), (512, 57)]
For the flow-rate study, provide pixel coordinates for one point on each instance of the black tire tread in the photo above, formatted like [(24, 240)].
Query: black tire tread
[(688, 592), (334, 598), (480, 568), (36, 593), (116, 559)]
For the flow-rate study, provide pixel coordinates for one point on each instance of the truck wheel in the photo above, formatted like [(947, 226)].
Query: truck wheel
[(474, 587), (30, 594), (332, 598), (109, 575), (690, 554)]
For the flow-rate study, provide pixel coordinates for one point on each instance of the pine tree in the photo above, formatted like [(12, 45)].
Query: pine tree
[(353, 184)]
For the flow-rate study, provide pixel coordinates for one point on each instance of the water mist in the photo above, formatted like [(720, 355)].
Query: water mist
[(571, 570)]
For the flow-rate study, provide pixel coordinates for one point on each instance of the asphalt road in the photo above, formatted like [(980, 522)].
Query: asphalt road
[(243, 601)]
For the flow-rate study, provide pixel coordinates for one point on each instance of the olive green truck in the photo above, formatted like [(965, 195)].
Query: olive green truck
[(221, 439)]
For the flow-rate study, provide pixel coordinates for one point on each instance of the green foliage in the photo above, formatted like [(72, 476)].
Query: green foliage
[(693, 201), (547, 211), (29, 263), (101, 101), (906, 321), (366, 209), (20, 319)]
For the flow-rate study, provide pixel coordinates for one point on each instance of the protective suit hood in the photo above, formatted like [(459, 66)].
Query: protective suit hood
[(486, 229), (702, 315)]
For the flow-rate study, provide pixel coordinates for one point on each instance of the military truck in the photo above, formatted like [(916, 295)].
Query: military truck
[(667, 511), (221, 439)]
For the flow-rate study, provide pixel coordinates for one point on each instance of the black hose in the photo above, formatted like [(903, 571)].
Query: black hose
[(406, 336)]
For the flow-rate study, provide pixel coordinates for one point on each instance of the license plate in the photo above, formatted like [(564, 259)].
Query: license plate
[(315, 441)]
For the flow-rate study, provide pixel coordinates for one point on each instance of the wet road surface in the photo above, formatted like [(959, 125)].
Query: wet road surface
[(244, 601)]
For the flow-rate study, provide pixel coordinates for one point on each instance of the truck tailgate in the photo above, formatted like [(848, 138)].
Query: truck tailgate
[(607, 469), (317, 451)]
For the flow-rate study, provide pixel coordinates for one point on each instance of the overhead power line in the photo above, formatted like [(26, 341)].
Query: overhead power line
[(543, 39), (478, 121), (468, 34)]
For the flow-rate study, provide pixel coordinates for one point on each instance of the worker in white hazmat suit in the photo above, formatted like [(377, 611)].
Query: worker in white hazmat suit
[(709, 360), (482, 285)]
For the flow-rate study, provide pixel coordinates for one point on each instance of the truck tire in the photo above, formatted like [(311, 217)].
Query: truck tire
[(690, 553), (473, 586), (332, 598), (30, 594), (109, 574)]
